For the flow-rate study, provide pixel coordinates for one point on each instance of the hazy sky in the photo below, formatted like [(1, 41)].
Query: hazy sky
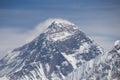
[(99, 19)]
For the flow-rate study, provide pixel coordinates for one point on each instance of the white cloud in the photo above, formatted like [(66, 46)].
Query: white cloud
[(39, 28), (10, 38)]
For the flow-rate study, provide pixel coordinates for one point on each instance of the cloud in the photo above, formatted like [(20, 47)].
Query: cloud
[(10, 38), (39, 29)]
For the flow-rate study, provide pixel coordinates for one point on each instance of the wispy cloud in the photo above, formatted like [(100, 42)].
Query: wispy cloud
[(10, 38)]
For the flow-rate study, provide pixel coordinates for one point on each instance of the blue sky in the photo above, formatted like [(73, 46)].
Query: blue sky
[(99, 19)]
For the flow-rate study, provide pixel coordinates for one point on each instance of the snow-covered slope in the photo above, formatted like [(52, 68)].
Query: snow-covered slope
[(53, 55), (104, 67)]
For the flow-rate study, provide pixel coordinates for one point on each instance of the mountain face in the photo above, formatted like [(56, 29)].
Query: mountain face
[(53, 55), (103, 67)]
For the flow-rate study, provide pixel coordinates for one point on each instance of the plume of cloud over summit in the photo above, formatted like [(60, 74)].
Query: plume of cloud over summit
[(42, 27)]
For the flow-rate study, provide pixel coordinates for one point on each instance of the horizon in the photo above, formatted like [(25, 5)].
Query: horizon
[(99, 19)]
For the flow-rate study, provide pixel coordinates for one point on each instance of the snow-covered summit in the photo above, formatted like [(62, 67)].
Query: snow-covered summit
[(50, 25), (117, 43), (60, 25), (62, 21), (117, 46), (60, 29)]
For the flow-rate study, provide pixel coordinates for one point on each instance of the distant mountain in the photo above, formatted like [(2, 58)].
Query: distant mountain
[(54, 55), (103, 67)]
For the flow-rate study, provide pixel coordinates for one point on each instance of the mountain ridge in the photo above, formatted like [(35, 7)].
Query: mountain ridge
[(53, 55)]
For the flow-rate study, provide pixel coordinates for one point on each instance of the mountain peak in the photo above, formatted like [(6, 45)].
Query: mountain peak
[(60, 29), (117, 45), (62, 21)]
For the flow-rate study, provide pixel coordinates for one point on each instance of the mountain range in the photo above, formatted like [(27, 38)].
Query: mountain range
[(61, 52)]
